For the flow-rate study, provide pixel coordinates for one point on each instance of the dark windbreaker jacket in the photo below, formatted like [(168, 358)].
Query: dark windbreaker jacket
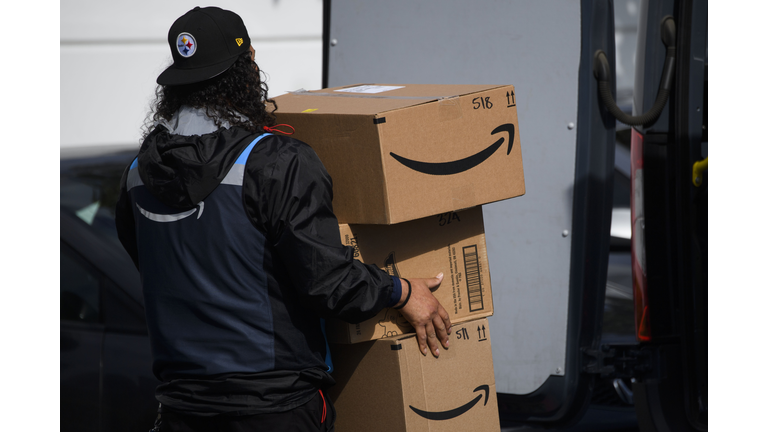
[(240, 258)]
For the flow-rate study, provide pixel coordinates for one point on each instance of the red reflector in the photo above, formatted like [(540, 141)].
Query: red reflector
[(639, 281), (644, 331), (640, 291)]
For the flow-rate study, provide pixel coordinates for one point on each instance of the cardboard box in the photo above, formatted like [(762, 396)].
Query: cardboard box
[(403, 152), (388, 385), (452, 243)]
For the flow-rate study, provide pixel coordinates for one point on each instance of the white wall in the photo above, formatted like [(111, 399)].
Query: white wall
[(112, 52)]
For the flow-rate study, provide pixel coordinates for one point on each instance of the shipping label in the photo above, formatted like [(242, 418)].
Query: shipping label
[(466, 280)]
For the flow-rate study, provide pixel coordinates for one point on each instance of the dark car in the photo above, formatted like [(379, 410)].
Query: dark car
[(106, 364)]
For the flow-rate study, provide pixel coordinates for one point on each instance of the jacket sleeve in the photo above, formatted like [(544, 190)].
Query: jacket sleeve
[(124, 222), (294, 206)]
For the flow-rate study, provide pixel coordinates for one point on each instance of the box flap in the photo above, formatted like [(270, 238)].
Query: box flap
[(338, 101)]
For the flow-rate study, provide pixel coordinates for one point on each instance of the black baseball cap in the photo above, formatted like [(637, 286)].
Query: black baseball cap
[(204, 43)]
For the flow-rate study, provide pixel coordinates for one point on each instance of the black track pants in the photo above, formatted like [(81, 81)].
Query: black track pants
[(316, 415)]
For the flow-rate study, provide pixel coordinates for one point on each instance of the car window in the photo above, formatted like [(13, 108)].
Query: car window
[(79, 295), (90, 192)]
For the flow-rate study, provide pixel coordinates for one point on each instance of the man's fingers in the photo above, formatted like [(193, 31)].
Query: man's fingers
[(432, 341), (445, 317), (442, 331), (428, 317), (421, 336)]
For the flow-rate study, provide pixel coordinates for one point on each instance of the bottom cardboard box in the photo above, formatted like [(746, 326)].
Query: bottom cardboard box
[(388, 385)]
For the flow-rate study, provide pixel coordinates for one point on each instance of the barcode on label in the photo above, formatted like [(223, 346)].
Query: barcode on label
[(472, 272)]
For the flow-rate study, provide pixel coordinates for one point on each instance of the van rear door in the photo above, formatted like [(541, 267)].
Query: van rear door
[(671, 244)]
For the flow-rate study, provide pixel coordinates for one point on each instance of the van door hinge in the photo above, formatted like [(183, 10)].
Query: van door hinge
[(617, 361)]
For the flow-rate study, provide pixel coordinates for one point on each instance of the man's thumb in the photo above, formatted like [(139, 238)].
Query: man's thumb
[(435, 281)]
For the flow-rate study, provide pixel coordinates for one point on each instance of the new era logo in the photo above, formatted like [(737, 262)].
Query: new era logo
[(239, 41)]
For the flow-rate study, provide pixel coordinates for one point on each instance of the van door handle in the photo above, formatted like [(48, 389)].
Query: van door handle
[(602, 71)]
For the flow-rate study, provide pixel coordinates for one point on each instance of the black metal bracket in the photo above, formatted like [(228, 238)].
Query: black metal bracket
[(601, 69)]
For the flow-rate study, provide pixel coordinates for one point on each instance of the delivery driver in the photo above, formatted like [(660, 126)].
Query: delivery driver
[(238, 248)]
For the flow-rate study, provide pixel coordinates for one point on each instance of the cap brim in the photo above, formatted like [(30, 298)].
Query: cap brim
[(177, 76)]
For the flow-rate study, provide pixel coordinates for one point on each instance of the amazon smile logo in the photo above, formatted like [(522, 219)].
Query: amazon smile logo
[(171, 217), (447, 415), (461, 165)]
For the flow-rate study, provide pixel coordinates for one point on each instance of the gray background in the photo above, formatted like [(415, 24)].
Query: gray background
[(457, 42)]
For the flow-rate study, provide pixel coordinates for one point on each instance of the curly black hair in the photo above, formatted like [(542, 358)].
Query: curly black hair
[(238, 96)]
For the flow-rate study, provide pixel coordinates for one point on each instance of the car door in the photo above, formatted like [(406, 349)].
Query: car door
[(107, 382), (82, 337), (548, 250), (128, 395)]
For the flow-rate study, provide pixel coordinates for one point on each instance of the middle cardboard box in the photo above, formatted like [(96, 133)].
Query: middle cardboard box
[(452, 243)]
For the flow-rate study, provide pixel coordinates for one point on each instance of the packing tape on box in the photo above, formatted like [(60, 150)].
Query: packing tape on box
[(448, 109)]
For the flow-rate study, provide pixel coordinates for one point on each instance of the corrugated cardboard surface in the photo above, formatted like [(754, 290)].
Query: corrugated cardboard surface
[(452, 243), (388, 385), (412, 152)]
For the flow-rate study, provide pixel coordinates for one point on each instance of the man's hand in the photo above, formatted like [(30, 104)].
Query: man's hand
[(426, 314)]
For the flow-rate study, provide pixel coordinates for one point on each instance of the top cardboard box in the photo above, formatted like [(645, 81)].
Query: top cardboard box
[(403, 152)]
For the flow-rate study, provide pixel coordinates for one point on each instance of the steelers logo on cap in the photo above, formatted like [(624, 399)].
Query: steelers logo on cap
[(186, 44)]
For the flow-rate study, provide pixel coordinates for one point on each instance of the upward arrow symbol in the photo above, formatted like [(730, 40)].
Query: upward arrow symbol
[(510, 102)]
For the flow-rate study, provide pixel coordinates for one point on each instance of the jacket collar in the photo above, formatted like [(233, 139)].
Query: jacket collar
[(188, 121)]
